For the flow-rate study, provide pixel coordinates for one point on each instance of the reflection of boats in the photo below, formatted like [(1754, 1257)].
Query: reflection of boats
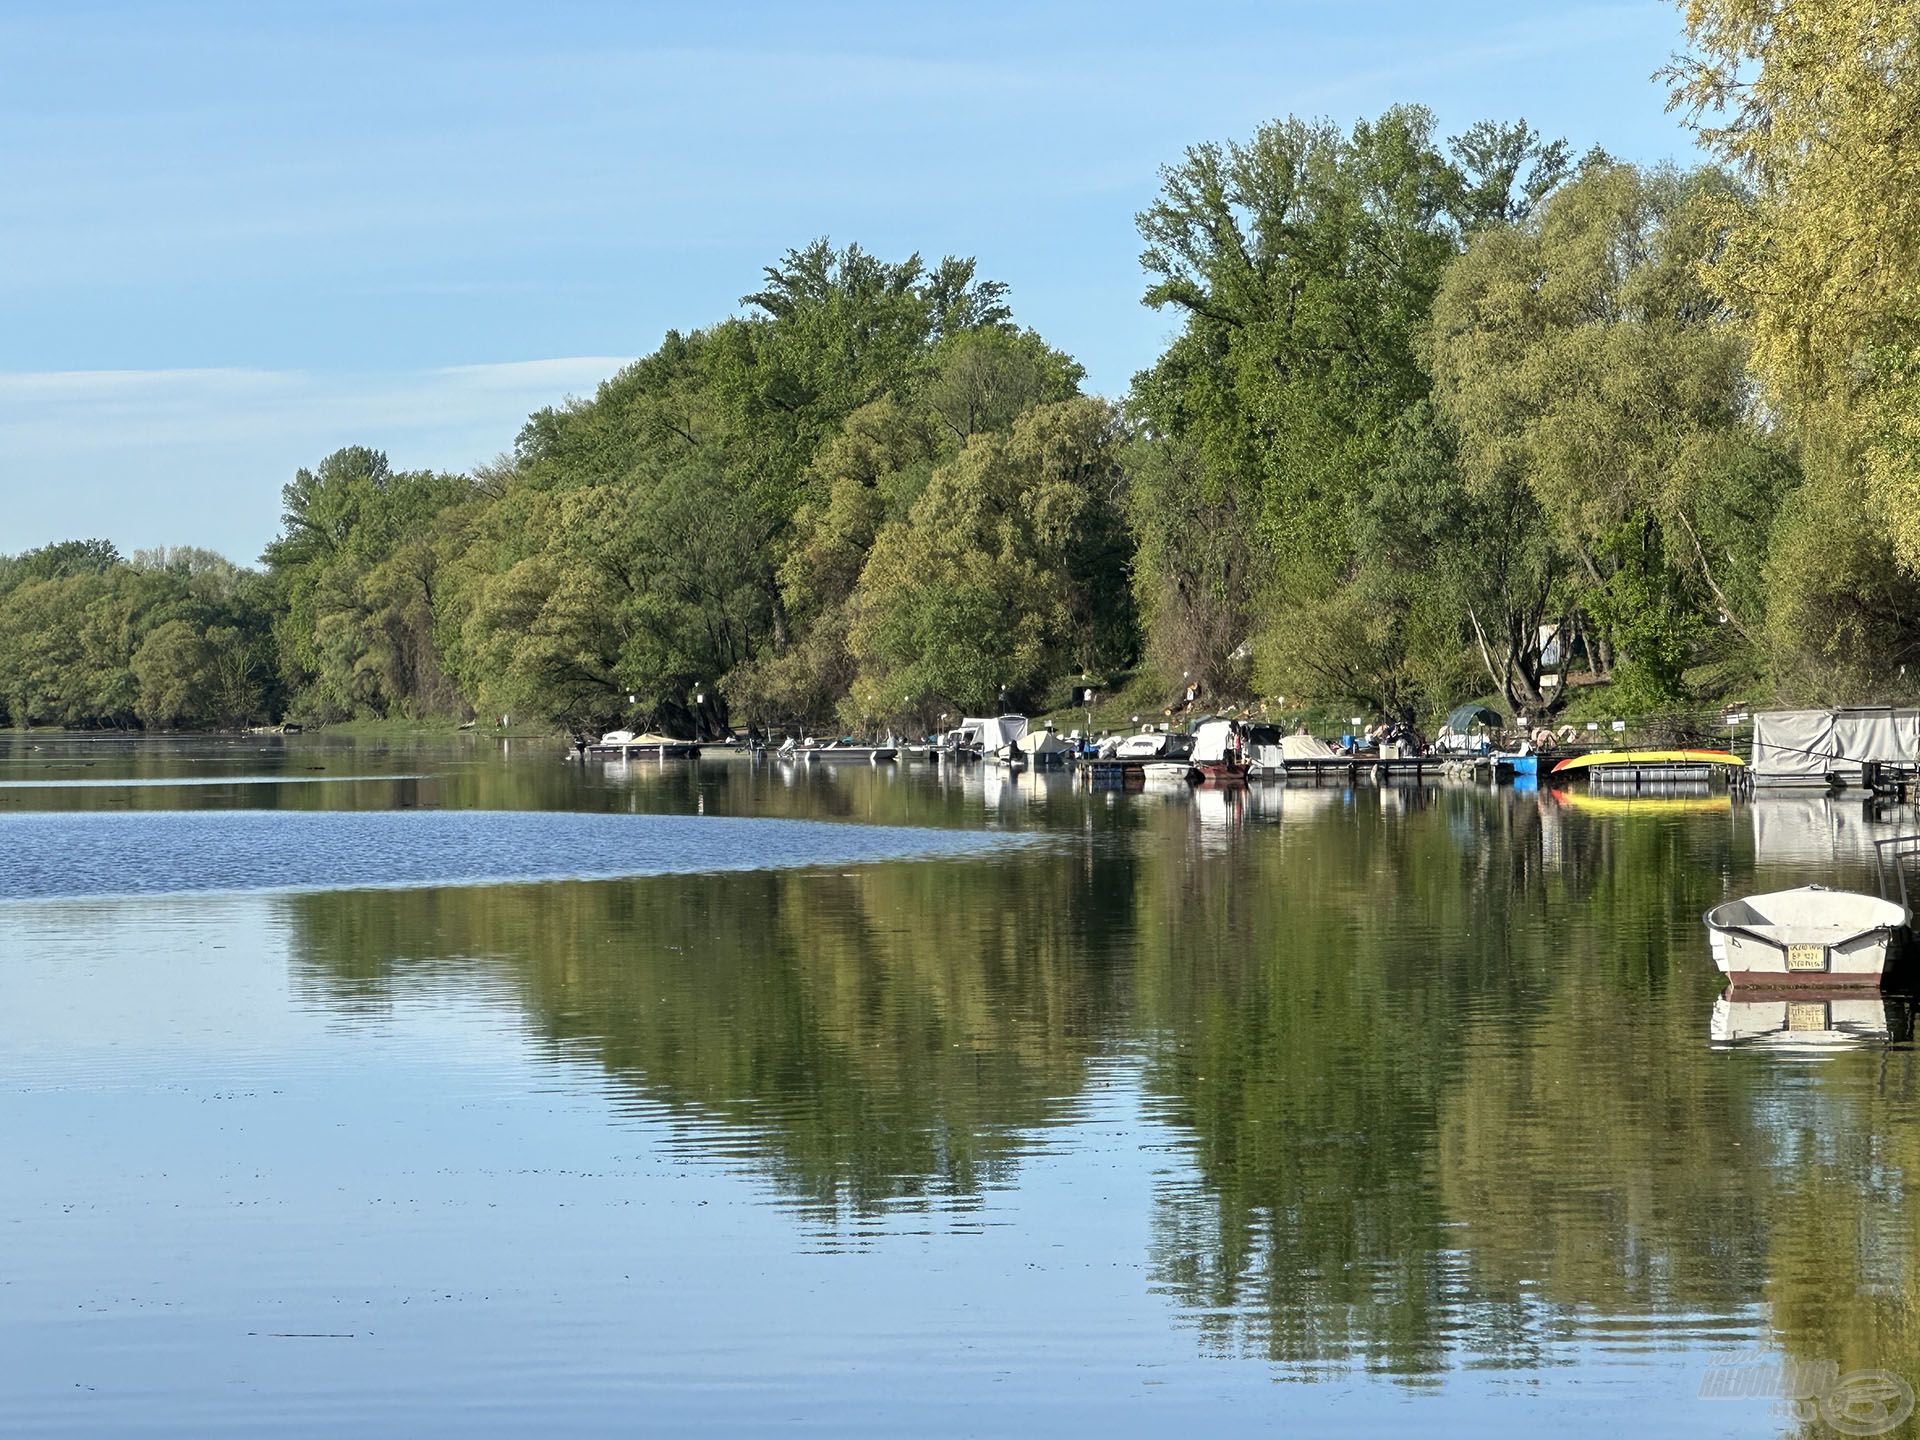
[(1809, 936), (838, 752), (1038, 786), (1675, 799), (1819, 829), (1219, 811), (626, 743), (1810, 1023)]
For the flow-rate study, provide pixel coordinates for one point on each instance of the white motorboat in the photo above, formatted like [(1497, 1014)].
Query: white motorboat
[(1158, 757), (624, 744), (1146, 745), (1809, 936), (839, 752), (1172, 761)]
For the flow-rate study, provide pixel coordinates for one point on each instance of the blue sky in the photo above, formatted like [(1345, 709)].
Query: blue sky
[(236, 236)]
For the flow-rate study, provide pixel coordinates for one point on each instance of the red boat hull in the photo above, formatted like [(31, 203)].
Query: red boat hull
[(1220, 772)]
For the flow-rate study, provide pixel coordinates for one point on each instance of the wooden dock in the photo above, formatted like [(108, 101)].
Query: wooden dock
[(1352, 769), (1117, 772), (652, 750)]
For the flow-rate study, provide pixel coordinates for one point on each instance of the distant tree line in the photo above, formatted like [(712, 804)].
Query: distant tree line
[(1444, 418), (167, 638)]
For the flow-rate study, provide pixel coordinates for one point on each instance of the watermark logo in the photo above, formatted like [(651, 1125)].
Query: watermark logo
[(1861, 1402)]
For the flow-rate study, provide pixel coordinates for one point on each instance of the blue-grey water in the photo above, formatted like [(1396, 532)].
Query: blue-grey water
[(457, 1089), (110, 853)]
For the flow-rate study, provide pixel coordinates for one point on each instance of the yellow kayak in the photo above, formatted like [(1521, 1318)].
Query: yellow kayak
[(1648, 757)]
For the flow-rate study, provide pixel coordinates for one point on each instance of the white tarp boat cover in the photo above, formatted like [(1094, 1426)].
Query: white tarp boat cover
[(1889, 735), (1807, 747), (994, 733), (1043, 742), (1305, 747), (1212, 742), (1808, 915)]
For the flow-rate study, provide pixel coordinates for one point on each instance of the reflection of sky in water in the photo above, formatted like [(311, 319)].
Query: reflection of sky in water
[(164, 852), (1410, 1095), (282, 1219), (152, 782)]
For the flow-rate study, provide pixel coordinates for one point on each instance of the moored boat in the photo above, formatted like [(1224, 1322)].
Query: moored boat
[(626, 744), (1219, 754), (1158, 756), (1043, 749), (839, 752), (982, 737), (1805, 937)]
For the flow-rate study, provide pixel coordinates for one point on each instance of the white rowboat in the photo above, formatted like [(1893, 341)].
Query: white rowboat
[(1810, 936)]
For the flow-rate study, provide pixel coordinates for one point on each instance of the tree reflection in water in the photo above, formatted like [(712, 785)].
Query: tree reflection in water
[(1436, 1060)]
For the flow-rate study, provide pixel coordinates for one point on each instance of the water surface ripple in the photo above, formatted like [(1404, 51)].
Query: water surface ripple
[(66, 855)]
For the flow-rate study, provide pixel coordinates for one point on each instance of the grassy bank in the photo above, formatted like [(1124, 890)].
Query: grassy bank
[(394, 729)]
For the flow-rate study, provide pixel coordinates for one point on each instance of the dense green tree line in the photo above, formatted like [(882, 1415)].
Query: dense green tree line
[(1444, 417), (168, 638)]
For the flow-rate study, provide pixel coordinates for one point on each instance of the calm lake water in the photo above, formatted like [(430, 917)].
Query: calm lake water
[(453, 1088)]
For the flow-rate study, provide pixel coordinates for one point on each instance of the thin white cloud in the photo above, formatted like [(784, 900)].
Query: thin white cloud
[(58, 385), (198, 456), (567, 374)]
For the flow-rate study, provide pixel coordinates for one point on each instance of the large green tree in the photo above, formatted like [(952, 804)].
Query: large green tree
[(356, 565), (1009, 570), (697, 527), (1608, 448), (1817, 102), (1303, 262)]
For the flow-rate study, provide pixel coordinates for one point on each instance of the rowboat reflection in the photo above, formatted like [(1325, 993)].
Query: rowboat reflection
[(1810, 1024)]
